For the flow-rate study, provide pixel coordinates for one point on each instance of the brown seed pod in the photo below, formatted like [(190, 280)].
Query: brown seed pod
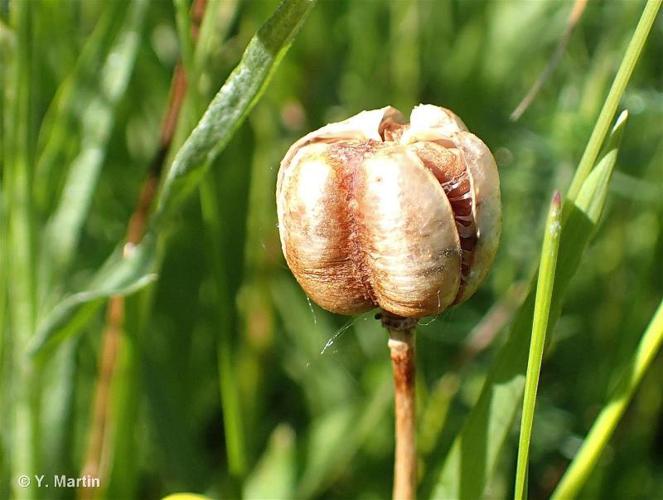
[(377, 212)]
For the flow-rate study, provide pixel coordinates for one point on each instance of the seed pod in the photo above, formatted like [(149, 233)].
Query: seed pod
[(377, 212)]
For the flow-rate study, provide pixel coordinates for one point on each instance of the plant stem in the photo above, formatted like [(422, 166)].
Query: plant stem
[(402, 349)]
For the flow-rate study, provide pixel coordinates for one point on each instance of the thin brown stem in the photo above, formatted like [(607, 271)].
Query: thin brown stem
[(97, 455), (402, 349)]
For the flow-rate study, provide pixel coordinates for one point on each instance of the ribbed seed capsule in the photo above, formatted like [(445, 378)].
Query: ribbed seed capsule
[(377, 212)]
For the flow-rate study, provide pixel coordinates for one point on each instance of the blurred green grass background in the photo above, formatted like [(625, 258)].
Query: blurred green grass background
[(306, 418)]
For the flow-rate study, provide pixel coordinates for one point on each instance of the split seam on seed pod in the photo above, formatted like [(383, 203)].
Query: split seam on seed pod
[(378, 212)]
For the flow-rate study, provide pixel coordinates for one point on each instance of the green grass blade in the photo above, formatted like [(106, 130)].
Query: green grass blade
[(4, 251), (473, 455), (232, 103), (23, 446), (184, 35), (62, 122), (64, 228), (544, 290), (216, 23), (120, 275), (5, 353), (225, 327), (307, 332), (605, 424), (225, 113), (274, 476), (609, 109), (124, 406), (332, 452), (341, 421)]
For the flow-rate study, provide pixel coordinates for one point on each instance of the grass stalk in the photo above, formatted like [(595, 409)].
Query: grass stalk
[(544, 291), (604, 425)]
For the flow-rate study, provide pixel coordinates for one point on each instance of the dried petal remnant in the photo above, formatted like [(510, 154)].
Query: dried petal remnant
[(376, 212)]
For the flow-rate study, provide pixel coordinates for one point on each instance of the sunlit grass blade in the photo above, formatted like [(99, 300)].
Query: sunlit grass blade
[(487, 426), (5, 353), (544, 290), (184, 34), (17, 173), (306, 332), (213, 31), (473, 456), (232, 103), (611, 103), (64, 227), (604, 426), (332, 453), (62, 122), (226, 112), (225, 326), (575, 15), (340, 424), (274, 476), (120, 275), (3, 273)]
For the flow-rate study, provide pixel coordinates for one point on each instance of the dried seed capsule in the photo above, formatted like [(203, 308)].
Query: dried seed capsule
[(376, 212)]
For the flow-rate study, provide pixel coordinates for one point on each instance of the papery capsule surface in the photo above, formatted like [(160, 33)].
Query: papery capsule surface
[(377, 212)]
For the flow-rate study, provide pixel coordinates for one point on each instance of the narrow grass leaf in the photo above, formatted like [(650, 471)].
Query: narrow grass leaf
[(63, 120), (274, 476), (3, 272), (64, 228), (615, 94), (183, 22), (218, 18), (226, 112), (326, 463), (306, 333), (328, 433), (232, 103), (225, 328), (544, 290), (120, 275), (473, 456), (17, 176), (604, 425)]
